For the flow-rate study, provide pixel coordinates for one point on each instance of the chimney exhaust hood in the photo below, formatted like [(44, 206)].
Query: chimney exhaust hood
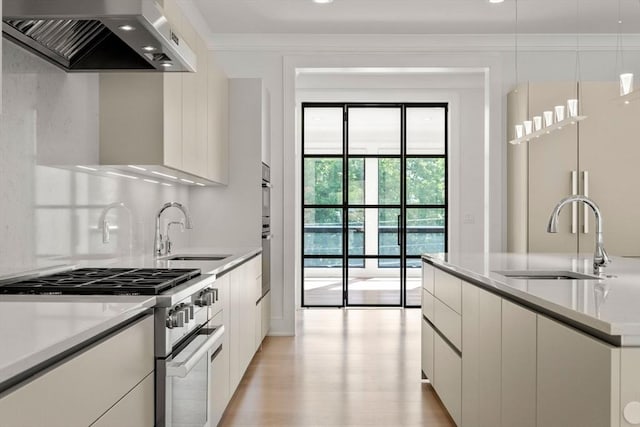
[(97, 35)]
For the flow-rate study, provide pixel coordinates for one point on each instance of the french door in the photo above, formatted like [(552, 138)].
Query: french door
[(374, 199)]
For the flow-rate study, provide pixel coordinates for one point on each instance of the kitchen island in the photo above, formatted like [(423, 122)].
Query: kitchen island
[(529, 351)]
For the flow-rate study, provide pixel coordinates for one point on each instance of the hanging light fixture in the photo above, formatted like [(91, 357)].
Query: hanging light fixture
[(625, 77), (560, 115)]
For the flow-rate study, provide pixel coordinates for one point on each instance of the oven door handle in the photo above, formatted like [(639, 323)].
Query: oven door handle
[(182, 367)]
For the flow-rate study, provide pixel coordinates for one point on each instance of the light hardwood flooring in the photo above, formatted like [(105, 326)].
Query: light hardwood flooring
[(354, 367)]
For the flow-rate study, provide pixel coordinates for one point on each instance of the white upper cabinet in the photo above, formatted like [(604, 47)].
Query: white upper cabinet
[(173, 123)]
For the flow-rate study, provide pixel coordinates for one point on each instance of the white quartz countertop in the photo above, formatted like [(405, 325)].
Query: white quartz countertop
[(608, 307), (35, 329)]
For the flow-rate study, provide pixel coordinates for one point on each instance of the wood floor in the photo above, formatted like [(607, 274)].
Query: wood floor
[(343, 368)]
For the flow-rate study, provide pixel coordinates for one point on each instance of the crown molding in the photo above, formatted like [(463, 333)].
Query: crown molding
[(389, 43)]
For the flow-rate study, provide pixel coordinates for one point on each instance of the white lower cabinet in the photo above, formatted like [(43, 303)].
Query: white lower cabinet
[(242, 318), (447, 380), (219, 394), (481, 358), (578, 378), (427, 349), (134, 409), (518, 371), (105, 384)]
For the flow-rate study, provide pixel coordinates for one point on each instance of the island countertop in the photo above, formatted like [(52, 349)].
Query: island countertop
[(608, 307)]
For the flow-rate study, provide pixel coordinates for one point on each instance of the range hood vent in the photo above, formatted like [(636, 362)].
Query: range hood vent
[(92, 35)]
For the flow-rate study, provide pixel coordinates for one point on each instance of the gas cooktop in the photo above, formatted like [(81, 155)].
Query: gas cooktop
[(103, 281)]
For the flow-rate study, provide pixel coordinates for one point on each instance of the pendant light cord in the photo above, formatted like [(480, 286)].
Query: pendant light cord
[(515, 44)]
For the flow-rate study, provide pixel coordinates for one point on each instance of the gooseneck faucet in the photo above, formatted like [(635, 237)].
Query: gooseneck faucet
[(600, 257), (159, 244)]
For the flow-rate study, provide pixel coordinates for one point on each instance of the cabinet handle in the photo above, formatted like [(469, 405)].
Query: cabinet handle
[(574, 205), (585, 183)]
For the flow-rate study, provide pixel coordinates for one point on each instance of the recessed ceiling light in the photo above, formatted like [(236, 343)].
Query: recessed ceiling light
[(127, 27), (496, 1), (148, 48), (323, 1), (167, 64)]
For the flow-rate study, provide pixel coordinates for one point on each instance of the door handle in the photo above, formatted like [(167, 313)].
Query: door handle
[(399, 229), (574, 205), (585, 187)]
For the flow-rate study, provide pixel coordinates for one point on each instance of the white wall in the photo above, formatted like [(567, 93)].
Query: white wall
[(275, 58), (50, 214)]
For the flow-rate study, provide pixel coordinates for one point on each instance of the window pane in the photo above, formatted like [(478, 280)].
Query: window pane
[(356, 231), (425, 181), (322, 287), (389, 181), (323, 181), (323, 130), (323, 231), (356, 181), (374, 130), (425, 231), (425, 130), (388, 232)]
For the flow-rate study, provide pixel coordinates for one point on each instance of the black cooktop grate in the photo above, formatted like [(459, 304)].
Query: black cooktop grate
[(103, 281)]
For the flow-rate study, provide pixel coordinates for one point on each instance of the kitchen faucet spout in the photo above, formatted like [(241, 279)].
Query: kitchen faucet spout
[(159, 244), (600, 257)]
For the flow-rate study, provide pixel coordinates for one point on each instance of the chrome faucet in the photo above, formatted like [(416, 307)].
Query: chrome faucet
[(159, 244), (600, 257), (104, 224)]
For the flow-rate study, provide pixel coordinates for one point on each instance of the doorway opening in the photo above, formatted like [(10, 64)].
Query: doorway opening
[(374, 198)]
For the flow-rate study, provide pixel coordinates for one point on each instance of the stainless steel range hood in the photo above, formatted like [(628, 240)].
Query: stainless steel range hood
[(97, 35)]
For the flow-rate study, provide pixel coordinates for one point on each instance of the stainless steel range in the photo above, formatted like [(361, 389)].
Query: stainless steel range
[(187, 338)]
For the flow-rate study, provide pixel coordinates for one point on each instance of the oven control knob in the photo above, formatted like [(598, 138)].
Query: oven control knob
[(205, 298), (175, 319)]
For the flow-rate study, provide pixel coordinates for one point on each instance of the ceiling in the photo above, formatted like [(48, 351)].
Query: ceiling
[(419, 16)]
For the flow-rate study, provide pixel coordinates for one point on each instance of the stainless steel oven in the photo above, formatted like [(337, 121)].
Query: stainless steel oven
[(266, 190), (187, 342), (266, 230)]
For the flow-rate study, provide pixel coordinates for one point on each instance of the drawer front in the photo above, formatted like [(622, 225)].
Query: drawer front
[(449, 323), (448, 377), (135, 409), (81, 389), (448, 289), (427, 349), (428, 306), (427, 277)]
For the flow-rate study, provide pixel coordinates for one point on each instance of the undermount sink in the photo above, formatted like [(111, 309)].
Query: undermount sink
[(197, 257), (546, 275)]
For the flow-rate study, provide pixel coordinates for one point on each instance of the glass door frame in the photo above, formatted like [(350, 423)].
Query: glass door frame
[(345, 206)]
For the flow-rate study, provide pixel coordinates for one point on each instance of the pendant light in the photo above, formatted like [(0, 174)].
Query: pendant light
[(560, 115), (625, 77)]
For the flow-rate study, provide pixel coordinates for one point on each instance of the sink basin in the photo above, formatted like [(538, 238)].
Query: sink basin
[(197, 257), (546, 275)]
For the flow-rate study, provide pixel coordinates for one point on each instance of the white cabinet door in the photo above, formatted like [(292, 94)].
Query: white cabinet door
[(447, 380), (519, 328), (427, 349), (578, 378), (134, 409), (218, 124), (83, 388), (236, 368), (481, 343)]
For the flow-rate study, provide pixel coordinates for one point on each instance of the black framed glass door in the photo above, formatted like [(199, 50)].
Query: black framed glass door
[(374, 199)]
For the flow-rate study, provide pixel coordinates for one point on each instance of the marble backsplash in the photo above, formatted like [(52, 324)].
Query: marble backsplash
[(50, 215)]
